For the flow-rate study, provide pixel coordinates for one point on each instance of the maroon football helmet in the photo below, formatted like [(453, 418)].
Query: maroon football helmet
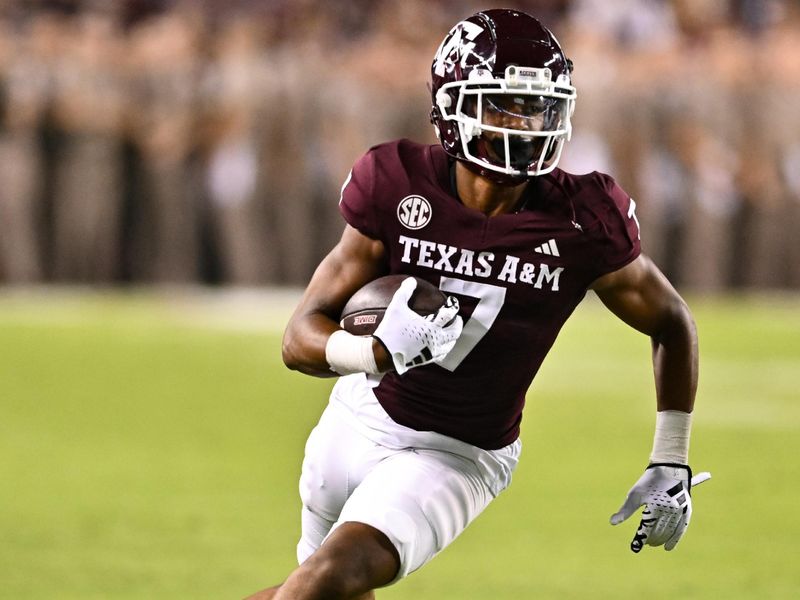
[(502, 95)]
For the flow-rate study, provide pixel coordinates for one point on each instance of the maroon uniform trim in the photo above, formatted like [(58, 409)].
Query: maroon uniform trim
[(518, 277)]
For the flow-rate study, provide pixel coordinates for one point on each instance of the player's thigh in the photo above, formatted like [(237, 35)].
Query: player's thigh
[(421, 500), (336, 459)]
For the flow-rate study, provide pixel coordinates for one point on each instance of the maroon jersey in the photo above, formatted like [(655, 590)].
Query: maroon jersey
[(517, 276)]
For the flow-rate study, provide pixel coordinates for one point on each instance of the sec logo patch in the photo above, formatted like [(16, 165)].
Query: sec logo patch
[(414, 212)]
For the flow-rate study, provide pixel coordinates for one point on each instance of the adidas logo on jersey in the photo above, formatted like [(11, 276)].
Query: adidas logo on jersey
[(549, 248)]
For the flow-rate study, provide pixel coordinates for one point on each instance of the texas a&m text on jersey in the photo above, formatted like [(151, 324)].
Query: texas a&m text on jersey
[(517, 276)]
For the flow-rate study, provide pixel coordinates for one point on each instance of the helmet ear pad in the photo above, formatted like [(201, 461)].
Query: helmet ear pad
[(446, 131)]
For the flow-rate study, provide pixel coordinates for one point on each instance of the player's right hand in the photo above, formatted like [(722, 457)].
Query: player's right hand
[(413, 340)]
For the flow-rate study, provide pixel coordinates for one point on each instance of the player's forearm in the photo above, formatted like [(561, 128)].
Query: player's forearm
[(306, 348), (304, 344), (675, 361)]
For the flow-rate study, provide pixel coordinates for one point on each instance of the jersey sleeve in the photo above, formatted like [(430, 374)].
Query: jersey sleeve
[(620, 242), (357, 202)]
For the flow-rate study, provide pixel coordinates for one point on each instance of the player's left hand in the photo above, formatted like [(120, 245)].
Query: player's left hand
[(413, 340), (665, 492)]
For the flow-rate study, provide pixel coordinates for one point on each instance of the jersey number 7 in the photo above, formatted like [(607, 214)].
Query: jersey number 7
[(490, 301)]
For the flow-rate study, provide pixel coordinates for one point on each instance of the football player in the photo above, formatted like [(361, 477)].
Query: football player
[(422, 428)]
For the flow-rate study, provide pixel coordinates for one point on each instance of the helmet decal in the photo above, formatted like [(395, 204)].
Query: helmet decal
[(456, 47)]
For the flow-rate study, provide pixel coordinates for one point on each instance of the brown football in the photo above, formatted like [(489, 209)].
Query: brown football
[(366, 307)]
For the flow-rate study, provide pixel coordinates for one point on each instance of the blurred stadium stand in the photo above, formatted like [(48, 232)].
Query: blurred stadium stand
[(149, 141)]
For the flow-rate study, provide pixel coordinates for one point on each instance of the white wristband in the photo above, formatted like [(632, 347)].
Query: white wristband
[(347, 353), (671, 442)]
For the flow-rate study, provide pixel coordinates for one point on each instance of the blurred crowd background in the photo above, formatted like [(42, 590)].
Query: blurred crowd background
[(174, 142)]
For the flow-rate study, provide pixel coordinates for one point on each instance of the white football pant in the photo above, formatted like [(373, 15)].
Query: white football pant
[(421, 489)]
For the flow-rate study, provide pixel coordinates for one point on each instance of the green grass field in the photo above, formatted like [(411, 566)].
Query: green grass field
[(150, 447)]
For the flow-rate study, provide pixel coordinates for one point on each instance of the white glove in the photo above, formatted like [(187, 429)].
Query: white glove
[(413, 340), (665, 491)]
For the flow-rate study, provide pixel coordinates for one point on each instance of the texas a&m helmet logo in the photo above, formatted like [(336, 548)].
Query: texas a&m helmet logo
[(457, 47), (414, 212)]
